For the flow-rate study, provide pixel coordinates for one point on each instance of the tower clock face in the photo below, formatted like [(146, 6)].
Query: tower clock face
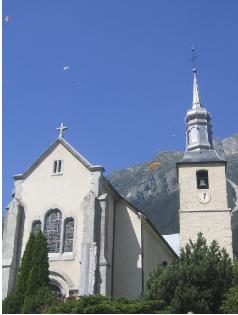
[(204, 196)]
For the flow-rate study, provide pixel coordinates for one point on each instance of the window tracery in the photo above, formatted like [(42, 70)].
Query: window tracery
[(53, 224), (68, 235)]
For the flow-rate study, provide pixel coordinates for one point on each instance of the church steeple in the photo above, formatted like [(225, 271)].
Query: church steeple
[(198, 127), (203, 203), (199, 144), (196, 97)]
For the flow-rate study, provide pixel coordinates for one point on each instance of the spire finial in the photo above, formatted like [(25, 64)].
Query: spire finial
[(196, 97), (61, 130), (194, 56)]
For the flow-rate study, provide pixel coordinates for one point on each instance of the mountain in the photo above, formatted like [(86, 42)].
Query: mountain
[(155, 190)]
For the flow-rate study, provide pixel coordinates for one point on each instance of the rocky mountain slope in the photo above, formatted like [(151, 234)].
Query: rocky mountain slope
[(155, 191)]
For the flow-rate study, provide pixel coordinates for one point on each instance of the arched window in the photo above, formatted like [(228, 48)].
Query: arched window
[(36, 226), (202, 179), (68, 235), (53, 224)]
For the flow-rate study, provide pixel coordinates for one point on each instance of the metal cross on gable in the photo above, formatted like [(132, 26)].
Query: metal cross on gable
[(61, 130)]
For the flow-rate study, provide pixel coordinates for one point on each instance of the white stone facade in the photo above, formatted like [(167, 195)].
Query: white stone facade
[(110, 255)]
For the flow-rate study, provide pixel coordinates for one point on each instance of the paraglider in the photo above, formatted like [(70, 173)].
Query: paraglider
[(66, 68), (153, 165)]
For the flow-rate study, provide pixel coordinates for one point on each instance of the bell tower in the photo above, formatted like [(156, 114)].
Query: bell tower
[(202, 181)]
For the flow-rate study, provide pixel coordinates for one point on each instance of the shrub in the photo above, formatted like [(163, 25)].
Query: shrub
[(40, 301), (97, 304)]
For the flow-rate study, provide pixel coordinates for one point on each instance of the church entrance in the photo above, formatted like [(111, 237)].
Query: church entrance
[(55, 287)]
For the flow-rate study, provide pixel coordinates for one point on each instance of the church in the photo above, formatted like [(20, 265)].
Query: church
[(99, 243)]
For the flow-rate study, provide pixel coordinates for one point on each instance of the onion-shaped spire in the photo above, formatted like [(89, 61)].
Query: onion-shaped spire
[(198, 127), (199, 144)]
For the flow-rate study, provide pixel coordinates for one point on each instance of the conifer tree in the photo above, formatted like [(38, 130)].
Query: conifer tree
[(195, 282), (24, 271), (39, 274)]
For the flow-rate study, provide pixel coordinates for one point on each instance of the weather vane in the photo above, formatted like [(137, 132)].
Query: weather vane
[(194, 56)]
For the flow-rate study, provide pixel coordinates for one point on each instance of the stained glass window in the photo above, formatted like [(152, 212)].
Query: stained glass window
[(68, 235), (53, 230), (36, 226)]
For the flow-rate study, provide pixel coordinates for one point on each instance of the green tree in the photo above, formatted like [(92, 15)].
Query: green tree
[(11, 304), (25, 268), (41, 301), (235, 274), (14, 301), (195, 282), (39, 274), (230, 302)]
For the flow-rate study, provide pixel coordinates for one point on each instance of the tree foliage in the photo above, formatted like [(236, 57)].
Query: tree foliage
[(33, 280), (98, 304), (39, 274), (195, 282), (40, 301), (230, 302), (25, 268), (11, 304)]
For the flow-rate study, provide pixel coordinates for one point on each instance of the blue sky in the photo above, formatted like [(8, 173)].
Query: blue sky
[(130, 81)]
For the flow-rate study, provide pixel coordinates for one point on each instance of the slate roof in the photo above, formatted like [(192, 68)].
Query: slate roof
[(202, 156)]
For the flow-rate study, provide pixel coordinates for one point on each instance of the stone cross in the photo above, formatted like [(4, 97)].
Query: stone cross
[(61, 130)]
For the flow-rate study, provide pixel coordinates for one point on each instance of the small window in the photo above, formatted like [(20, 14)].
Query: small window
[(57, 167), (202, 179)]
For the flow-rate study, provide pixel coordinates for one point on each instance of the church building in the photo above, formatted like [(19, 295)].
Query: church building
[(97, 241)]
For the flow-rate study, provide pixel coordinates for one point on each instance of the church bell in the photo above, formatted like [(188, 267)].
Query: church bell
[(202, 183)]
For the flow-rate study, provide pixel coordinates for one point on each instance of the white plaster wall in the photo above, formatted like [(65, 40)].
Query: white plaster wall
[(110, 243), (127, 261), (154, 251), (42, 190)]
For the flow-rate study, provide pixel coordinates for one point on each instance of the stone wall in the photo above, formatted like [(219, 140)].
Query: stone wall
[(213, 218)]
